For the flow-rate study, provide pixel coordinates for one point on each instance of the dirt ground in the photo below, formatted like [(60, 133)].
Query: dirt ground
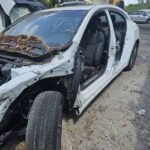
[(119, 118), (114, 121)]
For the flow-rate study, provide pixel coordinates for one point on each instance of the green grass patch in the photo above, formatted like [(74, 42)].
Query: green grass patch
[(135, 7)]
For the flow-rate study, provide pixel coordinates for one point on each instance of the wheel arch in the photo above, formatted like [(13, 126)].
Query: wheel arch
[(26, 98), (148, 20), (66, 85), (137, 42)]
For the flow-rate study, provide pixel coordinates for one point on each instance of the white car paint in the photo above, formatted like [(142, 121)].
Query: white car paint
[(63, 63), (85, 97)]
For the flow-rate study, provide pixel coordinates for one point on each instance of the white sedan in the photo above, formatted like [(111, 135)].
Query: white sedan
[(140, 16), (58, 59)]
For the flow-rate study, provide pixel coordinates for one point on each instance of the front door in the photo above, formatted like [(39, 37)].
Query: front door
[(99, 49)]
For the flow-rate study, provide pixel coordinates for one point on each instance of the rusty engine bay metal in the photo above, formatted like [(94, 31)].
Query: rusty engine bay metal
[(23, 46), (21, 50)]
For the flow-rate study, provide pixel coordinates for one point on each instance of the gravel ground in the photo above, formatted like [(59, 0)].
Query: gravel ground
[(118, 119), (114, 120)]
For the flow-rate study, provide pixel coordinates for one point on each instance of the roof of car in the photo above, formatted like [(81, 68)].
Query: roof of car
[(82, 7), (87, 7)]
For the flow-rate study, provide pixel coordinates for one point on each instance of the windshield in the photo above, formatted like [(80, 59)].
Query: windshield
[(54, 28), (17, 12)]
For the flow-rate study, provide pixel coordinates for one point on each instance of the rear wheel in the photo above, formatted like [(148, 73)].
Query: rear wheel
[(132, 58), (45, 122), (148, 21)]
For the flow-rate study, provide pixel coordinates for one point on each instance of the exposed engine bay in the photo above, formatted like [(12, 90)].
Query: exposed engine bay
[(24, 46), (17, 51)]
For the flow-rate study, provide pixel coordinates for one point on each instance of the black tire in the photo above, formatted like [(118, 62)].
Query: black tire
[(148, 21), (45, 122), (132, 58)]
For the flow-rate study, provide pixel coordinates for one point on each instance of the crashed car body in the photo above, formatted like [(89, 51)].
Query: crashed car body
[(12, 10), (58, 59)]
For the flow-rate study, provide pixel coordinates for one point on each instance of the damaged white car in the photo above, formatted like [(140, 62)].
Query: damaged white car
[(60, 59)]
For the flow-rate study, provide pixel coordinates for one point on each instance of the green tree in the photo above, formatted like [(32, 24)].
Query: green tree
[(48, 3)]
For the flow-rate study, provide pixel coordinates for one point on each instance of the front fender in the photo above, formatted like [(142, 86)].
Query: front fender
[(61, 65)]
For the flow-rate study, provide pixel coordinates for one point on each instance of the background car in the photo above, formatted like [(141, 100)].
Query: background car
[(14, 9), (74, 3), (141, 16)]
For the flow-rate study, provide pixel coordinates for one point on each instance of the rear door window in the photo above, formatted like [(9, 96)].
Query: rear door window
[(118, 17), (141, 13), (134, 13)]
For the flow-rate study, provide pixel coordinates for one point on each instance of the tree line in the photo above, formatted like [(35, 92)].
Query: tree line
[(143, 1), (51, 3)]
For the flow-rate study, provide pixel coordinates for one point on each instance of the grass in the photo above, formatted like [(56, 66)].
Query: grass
[(135, 7)]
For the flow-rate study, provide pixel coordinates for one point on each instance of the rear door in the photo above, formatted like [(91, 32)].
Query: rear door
[(124, 38), (142, 17), (134, 15)]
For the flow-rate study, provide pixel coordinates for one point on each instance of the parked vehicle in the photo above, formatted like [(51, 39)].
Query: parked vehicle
[(141, 16), (60, 59), (12, 10), (74, 3)]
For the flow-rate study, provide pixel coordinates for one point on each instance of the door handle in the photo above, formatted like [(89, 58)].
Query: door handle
[(113, 47), (113, 50)]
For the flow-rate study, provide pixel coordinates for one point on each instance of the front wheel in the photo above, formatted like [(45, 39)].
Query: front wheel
[(45, 122), (148, 21), (132, 58)]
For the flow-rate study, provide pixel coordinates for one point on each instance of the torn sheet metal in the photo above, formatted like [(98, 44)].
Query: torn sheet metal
[(27, 46)]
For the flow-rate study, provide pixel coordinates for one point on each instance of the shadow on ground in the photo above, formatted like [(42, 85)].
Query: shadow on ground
[(143, 121)]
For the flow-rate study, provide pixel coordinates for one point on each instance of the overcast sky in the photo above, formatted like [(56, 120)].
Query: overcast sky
[(130, 1), (127, 2)]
